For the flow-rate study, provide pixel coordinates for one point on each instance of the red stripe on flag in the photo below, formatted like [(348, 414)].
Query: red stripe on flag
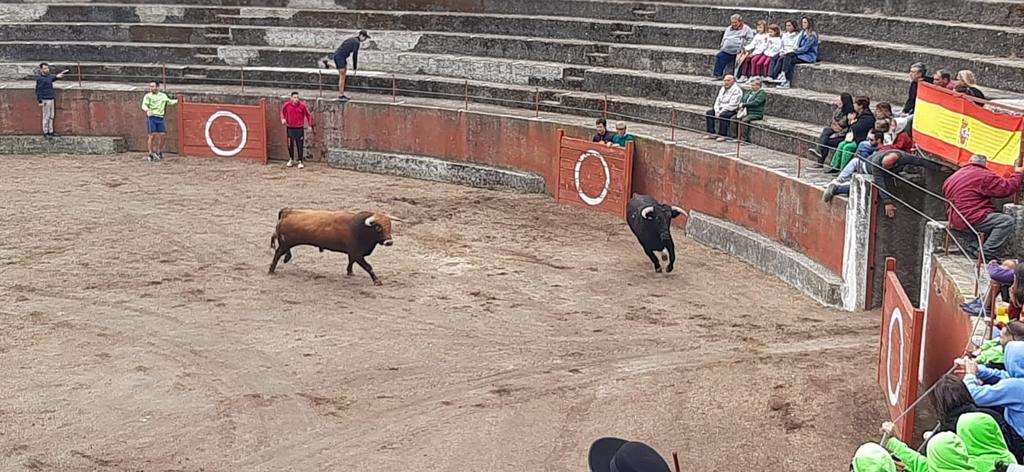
[(957, 104), (941, 149)]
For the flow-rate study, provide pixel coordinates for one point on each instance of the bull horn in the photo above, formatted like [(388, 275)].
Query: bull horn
[(395, 218), (371, 220), (646, 212), (680, 211)]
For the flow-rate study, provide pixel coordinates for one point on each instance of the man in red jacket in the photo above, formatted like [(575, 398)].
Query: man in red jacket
[(971, 190), (294, 115)]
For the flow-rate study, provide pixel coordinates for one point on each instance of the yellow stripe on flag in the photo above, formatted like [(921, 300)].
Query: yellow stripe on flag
[(1001, 146)]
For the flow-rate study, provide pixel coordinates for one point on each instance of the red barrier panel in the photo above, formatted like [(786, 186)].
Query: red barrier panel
[(948, 329), (899, 351), (593, 175), (222, 130)]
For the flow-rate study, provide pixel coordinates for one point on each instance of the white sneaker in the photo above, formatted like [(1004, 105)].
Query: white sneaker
[(784, 85), (742, 80), (290, 163), (301, 165)]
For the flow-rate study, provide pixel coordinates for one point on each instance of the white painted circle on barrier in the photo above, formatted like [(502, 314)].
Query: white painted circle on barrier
[(895, 323), (593, 201), (209, 141)]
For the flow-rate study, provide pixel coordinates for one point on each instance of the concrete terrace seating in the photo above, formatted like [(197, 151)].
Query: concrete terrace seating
[(647, 57)]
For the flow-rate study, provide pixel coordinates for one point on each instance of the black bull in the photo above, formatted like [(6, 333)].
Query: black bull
[(651, 222)]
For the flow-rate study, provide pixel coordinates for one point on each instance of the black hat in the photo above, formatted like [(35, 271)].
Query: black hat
[(619, 455), (364, 34)]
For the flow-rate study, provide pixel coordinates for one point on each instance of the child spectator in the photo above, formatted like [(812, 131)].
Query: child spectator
[(871, 457), (984, 441), (621, 137), (966, 78), (790, 40), (837, 129), (1012, 274), (883, 115), (844, 152), (951, 400), (751, 108), (727, 104), (991, 353), (45, 95), (753, 50), (1001, 388), (603, 135), (763, 66), (736, 36), (946, 453), (806, 52), (294, 115)]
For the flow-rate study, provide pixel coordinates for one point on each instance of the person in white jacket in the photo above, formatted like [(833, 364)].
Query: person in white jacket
[(762, 64), (752, 51), (726, 106), (790, 40)]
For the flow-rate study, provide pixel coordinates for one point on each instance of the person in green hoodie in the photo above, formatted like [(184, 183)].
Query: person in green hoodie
[(751, 109), (946, 453), (871, 457), (984, 441)]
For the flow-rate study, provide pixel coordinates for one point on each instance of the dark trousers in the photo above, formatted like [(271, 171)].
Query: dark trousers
[(775, 67), (743, 128), (296, 137), (722, 60), (789, 62), (998, 229), (826, 143), (723, 121)]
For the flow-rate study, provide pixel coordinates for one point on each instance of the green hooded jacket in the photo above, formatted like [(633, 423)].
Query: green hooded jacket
[(991, 353), (946, 453), (984, 441), (871, 457)]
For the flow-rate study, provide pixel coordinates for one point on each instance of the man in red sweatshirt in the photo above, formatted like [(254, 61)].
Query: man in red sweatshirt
[(971, 190), (294, 115)]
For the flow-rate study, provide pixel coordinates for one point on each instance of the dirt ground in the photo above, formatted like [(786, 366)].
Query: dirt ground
[(140, 331)]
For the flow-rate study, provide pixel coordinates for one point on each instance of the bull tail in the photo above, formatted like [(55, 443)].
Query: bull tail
[(273, 240)]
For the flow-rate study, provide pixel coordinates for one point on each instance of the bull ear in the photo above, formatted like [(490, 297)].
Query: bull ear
[(647, 212), (676, 211), (370, 221)]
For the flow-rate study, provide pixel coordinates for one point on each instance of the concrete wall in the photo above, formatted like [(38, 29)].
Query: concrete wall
[(763, 200)]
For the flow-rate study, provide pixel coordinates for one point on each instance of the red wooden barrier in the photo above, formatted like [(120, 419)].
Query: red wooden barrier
[(222, 130), (899, 351), (593, 175)]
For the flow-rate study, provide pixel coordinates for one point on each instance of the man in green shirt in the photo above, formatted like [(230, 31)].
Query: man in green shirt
[(621, 137), (155, 105)]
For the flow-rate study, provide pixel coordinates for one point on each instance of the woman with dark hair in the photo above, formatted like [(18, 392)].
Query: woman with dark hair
[(806, 51), (834, 133), (950, 398), (790, 40)]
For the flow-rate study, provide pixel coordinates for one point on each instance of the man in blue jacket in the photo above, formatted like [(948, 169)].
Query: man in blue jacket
[(1002, 388), (45, 96)]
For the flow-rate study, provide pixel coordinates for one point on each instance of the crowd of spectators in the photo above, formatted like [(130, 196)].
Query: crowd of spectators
[(766, 51)]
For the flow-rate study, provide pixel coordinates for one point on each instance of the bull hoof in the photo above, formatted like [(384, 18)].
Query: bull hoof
[(669, 269), (349, 274), (657, 270), (378, 283)]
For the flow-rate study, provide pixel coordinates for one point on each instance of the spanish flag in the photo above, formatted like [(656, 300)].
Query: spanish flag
[(954, 128)]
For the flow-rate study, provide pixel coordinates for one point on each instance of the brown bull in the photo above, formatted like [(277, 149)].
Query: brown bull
[(355, 234)]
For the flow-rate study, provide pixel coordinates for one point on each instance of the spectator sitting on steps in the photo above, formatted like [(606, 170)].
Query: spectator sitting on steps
[(837, 129), (763, 66), (736, 36), (862, 121), (603, 135), (789, 42), (883, 114), (726, 105), (858, 165), (943, 78), (965, 78), (806, 52), (621, 137), (971, 190), (918, 71), (904, 140), (753, 51), (751, 109)]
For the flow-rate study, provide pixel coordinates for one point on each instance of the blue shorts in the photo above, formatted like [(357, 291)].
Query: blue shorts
[(155, 124), (340, 61)]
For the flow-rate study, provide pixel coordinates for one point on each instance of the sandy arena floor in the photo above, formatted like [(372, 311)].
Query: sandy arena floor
[(141, 332)]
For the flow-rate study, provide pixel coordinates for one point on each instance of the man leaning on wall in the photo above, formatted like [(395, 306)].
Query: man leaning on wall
[(971, 190)]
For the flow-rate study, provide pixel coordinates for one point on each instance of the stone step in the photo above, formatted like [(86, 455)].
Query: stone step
[(25, 145), (769, 256), (436, 170)]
